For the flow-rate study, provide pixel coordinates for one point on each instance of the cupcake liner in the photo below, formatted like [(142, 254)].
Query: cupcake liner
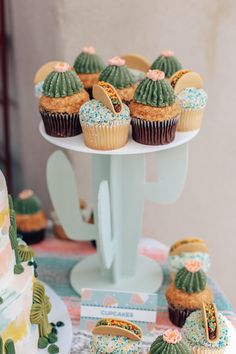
[(154, 133), (105, 137), (61, 125), (178, 316), (32, 237), (190, 119), (207, 351), (90, 92)]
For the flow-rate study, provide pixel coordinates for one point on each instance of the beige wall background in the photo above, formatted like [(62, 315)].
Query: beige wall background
[(202, 33)]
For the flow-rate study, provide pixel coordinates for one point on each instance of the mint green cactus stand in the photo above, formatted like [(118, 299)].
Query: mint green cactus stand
[(120, 189)]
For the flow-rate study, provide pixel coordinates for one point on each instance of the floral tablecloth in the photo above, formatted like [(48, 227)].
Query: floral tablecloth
[(56, 258)]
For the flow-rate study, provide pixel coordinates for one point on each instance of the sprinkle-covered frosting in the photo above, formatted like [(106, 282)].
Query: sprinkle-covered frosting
[(94, 112), (192, 98), (114, 344), (117, 61), (195, 334), (177, 262)]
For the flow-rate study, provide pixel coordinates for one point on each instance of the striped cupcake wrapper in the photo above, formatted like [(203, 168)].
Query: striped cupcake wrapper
[(154, 132), (178, 316), (61, 125)]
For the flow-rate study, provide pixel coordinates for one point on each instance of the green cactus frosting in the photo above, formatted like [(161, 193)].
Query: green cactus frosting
[(1, 346), (88, 62), (61, 82), (154, 90), (170, 343), (167, 62), (191, 279), (117, 74), (27, 203), (9, 347)]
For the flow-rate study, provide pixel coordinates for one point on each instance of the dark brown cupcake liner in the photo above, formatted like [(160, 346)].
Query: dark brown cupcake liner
[(178, 316), (154, 133), (61, 125), (90, 92), (32, 237)]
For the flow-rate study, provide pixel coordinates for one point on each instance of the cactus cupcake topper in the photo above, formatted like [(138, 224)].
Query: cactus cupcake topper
[(107, 94), (167, 62), (117, 74), (211, 322), (170, 342), (172, 336), (191, 278)]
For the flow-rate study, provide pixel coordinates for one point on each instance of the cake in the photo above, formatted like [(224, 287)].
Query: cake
[(187, 249), (119, 76), (24, 305), (30, 218), (206, 331), (187, 293)]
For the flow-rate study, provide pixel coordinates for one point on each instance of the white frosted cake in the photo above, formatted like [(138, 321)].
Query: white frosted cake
[(24, 305)]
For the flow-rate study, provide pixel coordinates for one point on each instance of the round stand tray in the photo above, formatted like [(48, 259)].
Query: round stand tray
[(59, 313), (76, 143)]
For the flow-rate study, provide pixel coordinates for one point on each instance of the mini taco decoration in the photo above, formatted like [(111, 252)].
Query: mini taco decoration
[(136, 61), (107, 94), (211, 322), (117, 327), (190, 244), (185, 78)]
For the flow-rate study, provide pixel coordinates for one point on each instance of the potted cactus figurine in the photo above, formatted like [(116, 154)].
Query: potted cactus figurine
[(30, 218)]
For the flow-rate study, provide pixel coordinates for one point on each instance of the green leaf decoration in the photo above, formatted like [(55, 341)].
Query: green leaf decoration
[(42, 342), (60, 324), (10, 347), (53, 349), (40, 310), (52, 338), (18, 269)]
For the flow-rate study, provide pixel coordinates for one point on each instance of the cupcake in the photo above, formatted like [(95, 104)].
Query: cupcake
[(105, 120), (167, 62), (116, 336), (191, 248), (154, 111), (119, 76), (206, 331), (187, 293), (88, 66), (30, 219), (191, 98), (170, 342), (63, 95)]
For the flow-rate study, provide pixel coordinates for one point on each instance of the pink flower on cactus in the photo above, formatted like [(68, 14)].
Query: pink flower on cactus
[(117, 61), (25, 194), (61, 67), (172, 336), (167, 53), (193, 266), (89, 50), (155, 75)]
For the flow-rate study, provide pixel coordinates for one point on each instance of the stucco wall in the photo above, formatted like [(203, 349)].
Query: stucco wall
[(202, 34)]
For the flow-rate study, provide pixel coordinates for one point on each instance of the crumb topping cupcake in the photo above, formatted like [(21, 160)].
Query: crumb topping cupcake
[(167, 62), (154, 110), (88, 66), (187, 292), (119, 76), (63, 95)]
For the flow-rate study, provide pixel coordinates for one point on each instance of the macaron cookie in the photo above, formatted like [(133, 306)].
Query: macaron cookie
[(154, 110), (105, 120), (187, 293), (206, 331), (118, 75), (88, 65), (171, 342), (190, 248), (63, 95), (167, 62)]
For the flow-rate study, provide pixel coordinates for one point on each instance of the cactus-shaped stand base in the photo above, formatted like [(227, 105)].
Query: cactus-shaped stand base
[(120, 189)]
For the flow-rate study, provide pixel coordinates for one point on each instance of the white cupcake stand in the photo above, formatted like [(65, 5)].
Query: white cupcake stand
[(120, 189)]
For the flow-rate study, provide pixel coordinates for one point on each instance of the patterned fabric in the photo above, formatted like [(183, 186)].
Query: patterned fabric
[(56, 258)]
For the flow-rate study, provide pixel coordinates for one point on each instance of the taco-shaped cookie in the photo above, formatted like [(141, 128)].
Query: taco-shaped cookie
[(117, 327), (211, 322), (107, 94), (183, 79)]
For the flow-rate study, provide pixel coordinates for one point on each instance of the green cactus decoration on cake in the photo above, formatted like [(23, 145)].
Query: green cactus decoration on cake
[(191, 278), (88, 62), (9, 347), (27, 203), (117, 74), (40, 310), (61, 82), (167, 62), (169, 343), (1, 345), (154, 90), (18, 268)]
